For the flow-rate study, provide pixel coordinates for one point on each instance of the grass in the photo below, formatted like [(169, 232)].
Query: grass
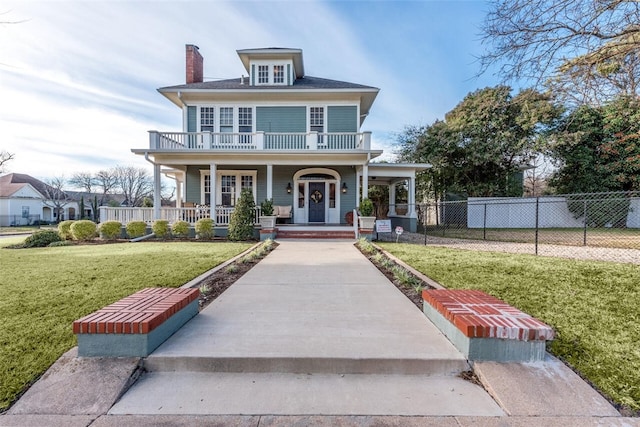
[(593, 306), (627, 238), (43, 290)]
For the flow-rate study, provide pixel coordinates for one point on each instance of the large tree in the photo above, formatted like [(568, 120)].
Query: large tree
[(584, 49), (55, 196), (597, 149), (134, 183)]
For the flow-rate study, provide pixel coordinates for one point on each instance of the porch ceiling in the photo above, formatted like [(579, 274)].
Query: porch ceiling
[(389, 173)]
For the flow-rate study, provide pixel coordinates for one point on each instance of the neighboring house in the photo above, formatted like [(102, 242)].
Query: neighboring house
[(25, 200), (282, 134)]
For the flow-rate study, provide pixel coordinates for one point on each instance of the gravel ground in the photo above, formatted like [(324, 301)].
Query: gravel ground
[(575, 252)]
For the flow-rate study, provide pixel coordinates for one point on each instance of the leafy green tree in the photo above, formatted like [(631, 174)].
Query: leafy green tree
[(242, 221), (482, 143)]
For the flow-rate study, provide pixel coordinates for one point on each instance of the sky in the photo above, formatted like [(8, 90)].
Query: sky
[(78, 79)]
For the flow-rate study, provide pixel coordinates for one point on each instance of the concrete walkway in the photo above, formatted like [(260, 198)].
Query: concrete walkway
[(312, 335)]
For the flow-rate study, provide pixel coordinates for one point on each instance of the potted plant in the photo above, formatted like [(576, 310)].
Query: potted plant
[(267, 218), (366, 220)]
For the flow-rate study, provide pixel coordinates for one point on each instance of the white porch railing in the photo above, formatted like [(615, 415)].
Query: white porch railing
[(123, 215), (341, 141)]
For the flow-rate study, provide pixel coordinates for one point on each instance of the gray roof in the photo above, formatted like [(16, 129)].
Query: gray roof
[(12, 182), (306, 82)]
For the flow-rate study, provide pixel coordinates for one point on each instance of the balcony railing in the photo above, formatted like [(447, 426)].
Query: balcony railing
[(264, 141), (221, 217)]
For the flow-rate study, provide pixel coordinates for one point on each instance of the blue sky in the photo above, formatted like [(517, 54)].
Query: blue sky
[(78, 79)]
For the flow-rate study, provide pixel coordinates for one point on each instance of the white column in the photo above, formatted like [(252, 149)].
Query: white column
[(157, 199), (392, 199), (178, 193), (365, 181), (213, 187), (412, 197), (269, 181)]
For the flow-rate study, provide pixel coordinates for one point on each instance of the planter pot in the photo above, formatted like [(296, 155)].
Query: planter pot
[(367, 222), (268, 222)]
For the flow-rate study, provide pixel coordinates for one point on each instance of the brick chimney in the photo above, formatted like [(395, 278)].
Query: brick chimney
[(194, 64)]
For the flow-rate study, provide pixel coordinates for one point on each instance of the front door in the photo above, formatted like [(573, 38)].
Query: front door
[(316, 201)]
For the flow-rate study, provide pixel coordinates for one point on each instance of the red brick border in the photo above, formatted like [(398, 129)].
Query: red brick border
[(479, 315), (139, 313)]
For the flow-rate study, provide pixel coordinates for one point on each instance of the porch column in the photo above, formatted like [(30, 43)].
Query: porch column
[(365, 181), (269, 181), (213, 187), (412, 197), (178, 193), (157, 199), (392, 198)]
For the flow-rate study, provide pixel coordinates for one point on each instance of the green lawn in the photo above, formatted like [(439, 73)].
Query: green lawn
[(42, 291), (593, 306)]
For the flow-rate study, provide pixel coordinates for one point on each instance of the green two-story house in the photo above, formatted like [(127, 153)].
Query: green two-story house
[(284, 135)]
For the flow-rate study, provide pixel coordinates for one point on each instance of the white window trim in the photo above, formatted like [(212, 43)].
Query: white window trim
[(270, 74), (238, 173), (324, 116)]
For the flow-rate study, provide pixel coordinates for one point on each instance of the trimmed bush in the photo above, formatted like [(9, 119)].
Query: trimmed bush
[(366, 207), (110, 230), (136, 229), (180, 229), (160, 228), (84, 230), (41, 239), (241, 223), (64, 229), (204, 228)]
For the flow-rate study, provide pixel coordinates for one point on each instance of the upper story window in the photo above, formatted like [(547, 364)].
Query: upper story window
[(278, 74), (226, 119), (263, 74), (316, 119), (207, 122)]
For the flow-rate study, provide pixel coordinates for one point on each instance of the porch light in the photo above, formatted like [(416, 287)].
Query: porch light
[(344, 188), (289, 188)]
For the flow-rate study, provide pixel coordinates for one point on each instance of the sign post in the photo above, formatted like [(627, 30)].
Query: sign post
[(399, 231)]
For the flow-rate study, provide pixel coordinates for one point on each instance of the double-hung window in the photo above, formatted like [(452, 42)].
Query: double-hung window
[(229, 184), (207, 122), (226, 124), (263, 74), (278, 74), (245, 124), (316, 122)]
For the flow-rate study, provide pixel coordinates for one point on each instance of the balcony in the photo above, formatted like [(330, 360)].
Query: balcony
[(260, 141)]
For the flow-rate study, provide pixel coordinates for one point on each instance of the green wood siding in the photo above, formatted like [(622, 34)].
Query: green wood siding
[(192, 118), (281, 119), (192, 184), (342, 118)]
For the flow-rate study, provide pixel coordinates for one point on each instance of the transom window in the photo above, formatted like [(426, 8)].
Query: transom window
[(278, 73), (263, 74), (207, 119)]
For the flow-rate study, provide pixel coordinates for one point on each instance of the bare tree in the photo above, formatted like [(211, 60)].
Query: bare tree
[(592, 41), (54, 195), (536, 179), (5, 157), (84, 180), (134, 183)]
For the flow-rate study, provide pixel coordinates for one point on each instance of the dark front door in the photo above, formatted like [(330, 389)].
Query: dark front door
[(316, 202)]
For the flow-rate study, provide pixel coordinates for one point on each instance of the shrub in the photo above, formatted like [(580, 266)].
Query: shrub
[(60, 243), (160, 228), (180, 229), (366, 207), (64, 229), (136, 229), (241, 223), (204, 228), (84, 230), (41, 239), (266, 207), (110, 230)]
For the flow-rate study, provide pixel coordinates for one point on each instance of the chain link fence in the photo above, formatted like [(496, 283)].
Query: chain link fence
[(604, 226)]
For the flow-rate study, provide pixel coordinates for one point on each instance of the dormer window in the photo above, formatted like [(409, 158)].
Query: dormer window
[(278, 74), (269, 73), (263, 74)]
